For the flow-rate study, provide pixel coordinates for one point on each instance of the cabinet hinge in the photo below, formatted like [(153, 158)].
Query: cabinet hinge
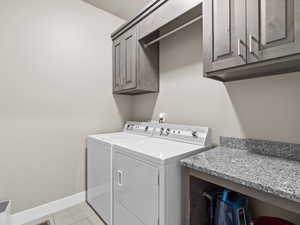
[(158, 180)]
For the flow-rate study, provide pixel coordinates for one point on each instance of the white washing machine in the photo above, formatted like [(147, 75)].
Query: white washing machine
[(99, 165), (144, 185)]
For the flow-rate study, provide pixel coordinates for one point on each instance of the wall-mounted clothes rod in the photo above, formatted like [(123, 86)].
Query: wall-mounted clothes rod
[(173, 31)]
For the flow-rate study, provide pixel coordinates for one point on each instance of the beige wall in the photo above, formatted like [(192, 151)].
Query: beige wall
[(264, 108), (55, 88)]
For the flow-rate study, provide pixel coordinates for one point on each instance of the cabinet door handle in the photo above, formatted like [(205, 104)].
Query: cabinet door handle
[(239, 48), (250, 44), (120, 178)]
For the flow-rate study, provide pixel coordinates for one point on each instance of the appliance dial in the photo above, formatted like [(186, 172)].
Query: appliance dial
[(195, 134), (168, 131)]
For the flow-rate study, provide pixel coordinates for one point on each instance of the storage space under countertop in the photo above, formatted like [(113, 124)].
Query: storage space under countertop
[(198, 214)]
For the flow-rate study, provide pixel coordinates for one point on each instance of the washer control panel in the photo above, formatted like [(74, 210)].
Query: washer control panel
[(143, 128), (190, 134)]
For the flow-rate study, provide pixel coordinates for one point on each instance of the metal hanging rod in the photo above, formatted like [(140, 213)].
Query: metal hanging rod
[(173, 31)]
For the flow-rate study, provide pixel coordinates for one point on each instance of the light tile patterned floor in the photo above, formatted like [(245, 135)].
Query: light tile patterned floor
[(80, 214)]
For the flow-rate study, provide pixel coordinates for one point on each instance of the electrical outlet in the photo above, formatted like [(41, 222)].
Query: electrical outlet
[(162, 117)]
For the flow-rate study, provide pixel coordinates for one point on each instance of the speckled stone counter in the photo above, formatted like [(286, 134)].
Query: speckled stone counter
[(277, 176)]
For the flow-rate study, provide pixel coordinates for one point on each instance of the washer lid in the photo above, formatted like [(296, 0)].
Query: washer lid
[(120, 138), (161, 149)]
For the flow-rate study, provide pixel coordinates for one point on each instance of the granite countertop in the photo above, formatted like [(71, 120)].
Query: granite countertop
[(277, 176)]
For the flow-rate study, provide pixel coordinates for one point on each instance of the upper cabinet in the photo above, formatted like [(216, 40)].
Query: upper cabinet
[(136, 44), (246, 39), (135, 69), (242, 39)]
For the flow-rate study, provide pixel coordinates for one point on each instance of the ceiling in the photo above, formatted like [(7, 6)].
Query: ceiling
[(125, 9)]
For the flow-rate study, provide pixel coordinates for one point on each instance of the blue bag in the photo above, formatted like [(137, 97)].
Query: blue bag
[(231, 209)]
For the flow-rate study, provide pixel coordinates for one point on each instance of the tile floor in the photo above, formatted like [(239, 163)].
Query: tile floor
[(80, 214)]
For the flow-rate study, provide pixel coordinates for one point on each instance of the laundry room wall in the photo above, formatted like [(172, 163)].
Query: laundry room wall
[(263, 108), (55, 89)]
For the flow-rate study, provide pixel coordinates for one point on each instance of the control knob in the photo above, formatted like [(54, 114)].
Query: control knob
[(167, 131), (161, 131), (195, 134)]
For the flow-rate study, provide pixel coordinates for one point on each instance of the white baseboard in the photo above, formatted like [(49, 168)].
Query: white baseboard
[(46, 209)]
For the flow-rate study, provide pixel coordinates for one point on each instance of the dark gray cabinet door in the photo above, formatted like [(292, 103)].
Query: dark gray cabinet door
[(273, 29), (135, 68), (117, 64), (224, 34), (130, 59)]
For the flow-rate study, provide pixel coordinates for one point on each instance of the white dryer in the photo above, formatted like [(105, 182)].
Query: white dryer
[(145, 176)]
